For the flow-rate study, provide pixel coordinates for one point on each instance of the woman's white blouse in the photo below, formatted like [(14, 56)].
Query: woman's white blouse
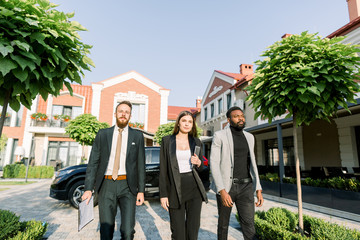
[(183, 157)]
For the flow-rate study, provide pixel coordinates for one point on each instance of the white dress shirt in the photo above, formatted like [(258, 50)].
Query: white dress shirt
[(124, 140)]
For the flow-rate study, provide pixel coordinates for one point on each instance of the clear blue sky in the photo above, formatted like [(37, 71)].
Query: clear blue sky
[(178, 44)]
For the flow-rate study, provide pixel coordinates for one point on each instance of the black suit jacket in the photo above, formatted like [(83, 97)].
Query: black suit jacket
[(99, 159), (170, 179)]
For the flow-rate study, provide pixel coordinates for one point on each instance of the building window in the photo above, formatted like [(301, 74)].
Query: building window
[(138, 113), (228, 101), (13, 156), (72, 111), (212, 110), (220, 107), (205, 114), (64, 151), (19, 117), (272, 152)]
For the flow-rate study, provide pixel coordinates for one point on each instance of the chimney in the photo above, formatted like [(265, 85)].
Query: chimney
[(246, 69), (354, 8), (198, 102), (286, 35)]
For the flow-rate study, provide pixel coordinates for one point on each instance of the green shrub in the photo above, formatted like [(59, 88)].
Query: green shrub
[(268, 231), (11, 228), (9, 224), (320, 229), (33, 230), (347, 184), (272, 225), (19, 171), (281, 217), (272, 177)]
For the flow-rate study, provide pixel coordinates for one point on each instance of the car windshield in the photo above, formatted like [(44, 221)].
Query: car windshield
[(152, 156)]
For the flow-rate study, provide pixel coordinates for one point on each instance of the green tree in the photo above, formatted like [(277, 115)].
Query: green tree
[(307, 77), (83, 129), (40, 51), (167, 129)]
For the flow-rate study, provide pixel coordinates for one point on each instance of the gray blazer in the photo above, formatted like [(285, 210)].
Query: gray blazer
[(222, 160)]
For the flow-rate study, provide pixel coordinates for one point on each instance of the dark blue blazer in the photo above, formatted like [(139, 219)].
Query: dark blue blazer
[(99, 159)]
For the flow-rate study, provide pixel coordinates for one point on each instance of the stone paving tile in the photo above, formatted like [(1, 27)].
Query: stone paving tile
[(152, 222)]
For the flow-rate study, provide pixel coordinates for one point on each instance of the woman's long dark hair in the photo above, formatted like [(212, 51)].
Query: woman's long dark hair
[(193, 131)]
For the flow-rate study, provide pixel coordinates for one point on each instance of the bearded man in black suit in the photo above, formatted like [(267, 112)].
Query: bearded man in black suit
[(116, 171)]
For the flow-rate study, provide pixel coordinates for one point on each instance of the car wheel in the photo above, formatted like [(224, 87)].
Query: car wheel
[(75, 193)]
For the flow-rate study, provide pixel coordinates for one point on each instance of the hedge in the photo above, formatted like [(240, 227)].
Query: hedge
[(19, 171), (347, 184), (280, 223), (13, 229)]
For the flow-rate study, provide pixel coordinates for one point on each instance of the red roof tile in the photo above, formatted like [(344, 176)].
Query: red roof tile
[(173, 111), (236, 76), (346, 28)]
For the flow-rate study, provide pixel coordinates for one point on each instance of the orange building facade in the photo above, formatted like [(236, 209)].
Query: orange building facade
[(44, 141)]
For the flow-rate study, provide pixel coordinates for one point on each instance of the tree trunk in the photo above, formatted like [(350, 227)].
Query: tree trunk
[(298, 177), (83, 151), (3, 113)]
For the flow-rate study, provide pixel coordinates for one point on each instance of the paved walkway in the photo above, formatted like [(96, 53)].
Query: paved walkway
[(152, 222)]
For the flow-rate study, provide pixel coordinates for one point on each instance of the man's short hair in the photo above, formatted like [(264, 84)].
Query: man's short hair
[(124, 102), (228, 113)]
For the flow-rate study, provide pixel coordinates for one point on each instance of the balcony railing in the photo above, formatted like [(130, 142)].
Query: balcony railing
[(50, 122)]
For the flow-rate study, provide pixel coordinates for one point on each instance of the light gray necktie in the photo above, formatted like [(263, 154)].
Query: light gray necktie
[(117, 156)]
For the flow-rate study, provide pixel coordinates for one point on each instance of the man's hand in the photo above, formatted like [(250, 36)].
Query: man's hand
[(165, 203), (139, 199), (86, 196), (226, 199), (260, 198)]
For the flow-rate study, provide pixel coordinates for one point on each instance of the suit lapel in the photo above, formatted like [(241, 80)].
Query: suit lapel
[(130, 141), (230, 144), (192, 144), (173, 160), (109, 137), (175, 166)]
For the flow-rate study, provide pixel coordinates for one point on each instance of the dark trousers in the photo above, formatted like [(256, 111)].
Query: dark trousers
[(113, 193), (185, 221), (243, 196)]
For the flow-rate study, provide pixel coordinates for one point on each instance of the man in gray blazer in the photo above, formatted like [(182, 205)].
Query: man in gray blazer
[(116, 171), (235, 175)]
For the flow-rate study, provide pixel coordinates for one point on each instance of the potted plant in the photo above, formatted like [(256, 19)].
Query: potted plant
[(39, 116), (136, 125), (57, 116), (65, 118)]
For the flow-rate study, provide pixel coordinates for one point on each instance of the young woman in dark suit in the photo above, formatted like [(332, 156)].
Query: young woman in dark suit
[(181, 189)]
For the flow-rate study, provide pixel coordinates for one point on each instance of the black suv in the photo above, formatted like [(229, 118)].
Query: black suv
[(69, 182)]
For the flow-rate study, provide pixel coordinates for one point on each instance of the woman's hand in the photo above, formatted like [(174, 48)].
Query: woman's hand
[(195, 160), (165, 203)]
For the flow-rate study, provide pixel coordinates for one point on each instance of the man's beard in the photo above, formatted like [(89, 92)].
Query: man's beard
[(237, 126), (122, 124)]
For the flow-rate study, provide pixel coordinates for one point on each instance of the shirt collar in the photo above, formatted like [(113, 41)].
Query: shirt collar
[(125, 128)]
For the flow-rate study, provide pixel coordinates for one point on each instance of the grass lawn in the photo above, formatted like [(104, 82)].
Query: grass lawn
[(3, 189), (15, 182)]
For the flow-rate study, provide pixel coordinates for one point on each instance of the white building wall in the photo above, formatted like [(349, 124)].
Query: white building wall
[(164, 106), (347, 140)]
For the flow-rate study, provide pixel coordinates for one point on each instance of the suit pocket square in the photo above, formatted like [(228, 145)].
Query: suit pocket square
[(132, 143)]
